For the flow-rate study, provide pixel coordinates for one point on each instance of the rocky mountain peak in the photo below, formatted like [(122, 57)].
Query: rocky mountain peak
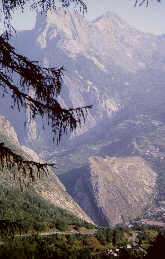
[(62, 25), (110, 18), (60, 18), (102, 60), (121, 72), (7, 130)]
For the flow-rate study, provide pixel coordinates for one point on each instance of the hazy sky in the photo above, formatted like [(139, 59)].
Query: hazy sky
[(150, 19)]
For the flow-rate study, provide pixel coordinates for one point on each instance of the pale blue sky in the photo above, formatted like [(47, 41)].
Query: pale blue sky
[(151, 19)]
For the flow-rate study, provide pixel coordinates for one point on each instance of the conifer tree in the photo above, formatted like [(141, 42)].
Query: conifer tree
[(18, 75), (146, 2)]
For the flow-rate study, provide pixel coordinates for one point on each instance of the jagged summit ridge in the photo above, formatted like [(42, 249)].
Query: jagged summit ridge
[(58, 16), (63, 25), (121, 72), (108, 36), (110, 17), (101, 59)]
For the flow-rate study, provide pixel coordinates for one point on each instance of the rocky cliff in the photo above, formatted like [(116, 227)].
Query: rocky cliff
[(50, 188), (119, 189), (107, 63), (121, 72)]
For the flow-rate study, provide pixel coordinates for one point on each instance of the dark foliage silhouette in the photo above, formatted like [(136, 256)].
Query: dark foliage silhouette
[(19, 76)]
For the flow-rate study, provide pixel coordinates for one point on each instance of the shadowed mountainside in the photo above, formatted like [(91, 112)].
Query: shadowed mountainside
[(49, 188), (121, 72)]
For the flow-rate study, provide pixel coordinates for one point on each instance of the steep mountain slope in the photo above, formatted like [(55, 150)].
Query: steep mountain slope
[(121, 72), (50, 188), (107, 63), (119, 189)]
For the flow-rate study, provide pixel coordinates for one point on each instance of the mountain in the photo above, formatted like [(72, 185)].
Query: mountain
[(107, 63), (121, 72), (115, 190), (49, 188)]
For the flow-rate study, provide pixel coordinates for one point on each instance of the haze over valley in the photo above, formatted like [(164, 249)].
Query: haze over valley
[(114, 165)]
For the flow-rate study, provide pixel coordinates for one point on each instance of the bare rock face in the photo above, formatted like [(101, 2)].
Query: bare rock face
[(7, 130), (117, 189), (121, 72), (50, 188), (103, 60)]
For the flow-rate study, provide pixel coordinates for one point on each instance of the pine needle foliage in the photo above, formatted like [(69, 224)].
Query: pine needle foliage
[(8, 7), (46, 84), (9, 228), (19, 76), (146, 2), (25, 172)]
